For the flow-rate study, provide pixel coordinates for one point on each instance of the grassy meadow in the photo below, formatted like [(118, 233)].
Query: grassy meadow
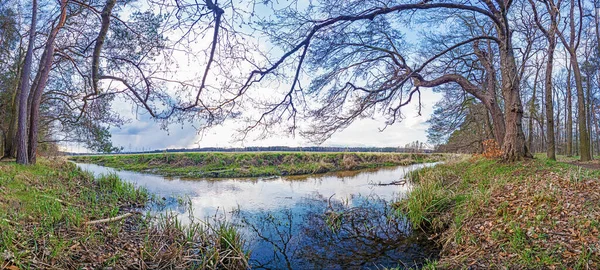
[(253, 164)]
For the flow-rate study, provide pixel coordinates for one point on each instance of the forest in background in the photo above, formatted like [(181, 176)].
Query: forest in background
[(524, 73)]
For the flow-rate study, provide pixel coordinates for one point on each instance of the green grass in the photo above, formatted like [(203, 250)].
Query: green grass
[(507, 214), (253, 164), (44, 209)]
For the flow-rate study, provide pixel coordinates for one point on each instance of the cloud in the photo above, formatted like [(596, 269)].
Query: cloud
[(146, 134)]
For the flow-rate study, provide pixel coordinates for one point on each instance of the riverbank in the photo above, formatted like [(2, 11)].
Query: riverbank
[(525, 215), (253, 164), (53, 215)]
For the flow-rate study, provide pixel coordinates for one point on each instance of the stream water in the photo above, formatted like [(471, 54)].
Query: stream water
[(332, 221)]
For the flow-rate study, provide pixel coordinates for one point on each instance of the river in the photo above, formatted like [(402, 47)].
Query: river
[(332, 221)]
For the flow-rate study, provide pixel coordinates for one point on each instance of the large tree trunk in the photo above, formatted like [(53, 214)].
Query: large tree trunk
[(41, 81), (40, 84), (21, 138), (514, 147)]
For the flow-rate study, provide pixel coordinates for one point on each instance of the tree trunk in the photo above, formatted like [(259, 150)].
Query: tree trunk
[(569, 108), (489, 99), (550, 147), (41, 81), (498, 122), (514, 147), (9, 143), (584, 141), (532, 111), (530, 124), (21, 138), (557, 125), (589, 113)]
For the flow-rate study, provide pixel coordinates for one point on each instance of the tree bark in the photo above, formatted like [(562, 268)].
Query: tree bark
[(488, 99), (584, 141), (550, 147), (589, 113), (106, 11), (9, 143), (571, 46), (532, 110), (41, 82), (21, 138), (514, 147), (569, 112), (497, 120)]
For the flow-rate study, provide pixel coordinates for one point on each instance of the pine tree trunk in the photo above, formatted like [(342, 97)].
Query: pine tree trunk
[(9, 143), (40, 84), (21, 138)]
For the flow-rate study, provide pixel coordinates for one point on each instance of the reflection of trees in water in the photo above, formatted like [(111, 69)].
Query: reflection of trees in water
[(322, 233), (277, 245)]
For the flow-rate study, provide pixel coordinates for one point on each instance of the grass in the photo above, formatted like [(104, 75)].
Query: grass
[(253, 164), (488, 214), (44, 210)]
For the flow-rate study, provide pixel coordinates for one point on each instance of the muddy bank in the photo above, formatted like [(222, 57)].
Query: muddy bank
[(253, 164)]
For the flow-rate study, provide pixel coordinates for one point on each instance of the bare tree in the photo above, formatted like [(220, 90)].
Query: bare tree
[(550, 34), (346, 100), (571, 45)]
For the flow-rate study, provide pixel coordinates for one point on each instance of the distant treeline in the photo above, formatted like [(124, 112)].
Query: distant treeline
[(277, 149)]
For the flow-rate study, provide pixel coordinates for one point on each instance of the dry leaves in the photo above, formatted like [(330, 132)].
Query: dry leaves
[(543, 221)]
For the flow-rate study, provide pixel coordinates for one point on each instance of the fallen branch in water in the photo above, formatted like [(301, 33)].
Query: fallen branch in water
[(400, 182), (117, 218)]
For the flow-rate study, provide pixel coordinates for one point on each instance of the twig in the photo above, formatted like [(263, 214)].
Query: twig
[(10, 222), (58, 200), (117, 218)]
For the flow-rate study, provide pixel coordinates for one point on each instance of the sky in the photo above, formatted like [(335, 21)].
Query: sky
[(141, 133)]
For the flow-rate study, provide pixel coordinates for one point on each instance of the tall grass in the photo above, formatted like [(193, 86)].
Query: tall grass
[(44, 210)]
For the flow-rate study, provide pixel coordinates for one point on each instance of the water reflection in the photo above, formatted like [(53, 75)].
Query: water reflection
[(331, 221), (324, 234)]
